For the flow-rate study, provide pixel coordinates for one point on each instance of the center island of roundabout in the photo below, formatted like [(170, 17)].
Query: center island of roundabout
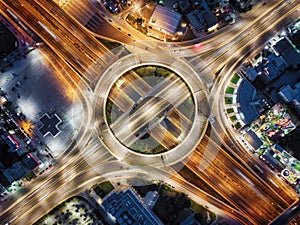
[(150, 110)]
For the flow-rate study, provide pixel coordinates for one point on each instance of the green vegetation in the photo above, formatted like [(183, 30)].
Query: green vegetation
[(142, 29), (109, 44), (230, 110), (238, 125), (162, 72), (167, 188), (115, 113), (233, 118), (201, 213), (112, 111), (143, 190), (260, 151), (235, 78), (75, 210), (297, 166), (197, 208), (130, 19), (109, 105), (141, 146), (103, 189), (145, 71), (158, 149), (228, 100), (229, 90), (29, 176), (172, 207)]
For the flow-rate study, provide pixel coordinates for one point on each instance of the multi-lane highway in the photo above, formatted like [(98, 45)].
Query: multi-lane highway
[(92, 16), (64, 35), (249, 47), (156, 104), (24, 208), (84, 162), (196, 88), (236, 184)]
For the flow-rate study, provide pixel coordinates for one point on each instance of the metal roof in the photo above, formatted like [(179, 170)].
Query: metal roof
[(165, 19)]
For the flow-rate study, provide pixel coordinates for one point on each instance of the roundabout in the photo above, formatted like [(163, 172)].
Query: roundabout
[(150, 112), (150, 109)]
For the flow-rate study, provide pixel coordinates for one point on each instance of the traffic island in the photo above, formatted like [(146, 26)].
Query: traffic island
[(150, 110)]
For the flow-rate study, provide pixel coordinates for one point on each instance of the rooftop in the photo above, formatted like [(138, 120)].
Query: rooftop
[(165, 19), (210, 19), (250, 102), (16, 172), (253, 139), (127, 208), (50, 125), (288, 52), (30, 161), (269, 68)]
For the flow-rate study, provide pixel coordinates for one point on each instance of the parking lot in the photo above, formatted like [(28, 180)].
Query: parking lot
[(36, 88)]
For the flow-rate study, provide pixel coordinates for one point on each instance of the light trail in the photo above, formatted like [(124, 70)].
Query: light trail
[(48, 31)]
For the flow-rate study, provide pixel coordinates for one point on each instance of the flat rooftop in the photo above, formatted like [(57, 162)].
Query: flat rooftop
[(165, 19), (50, 125)]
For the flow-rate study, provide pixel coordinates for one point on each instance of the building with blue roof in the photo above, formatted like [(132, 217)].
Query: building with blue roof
[(268, 155), (16, 172), (128, 209), (289, 53), (251, 137), (250, 103), (288, 93), (190, 221), (201, 18), (267, 70), (278, 148)]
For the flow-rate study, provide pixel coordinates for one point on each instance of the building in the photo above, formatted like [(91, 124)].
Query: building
[(50, 125), (4, 183), (265, 71), (196, 20), (273, 159), (277, 147), (288, 52), (30, 161), (253, 140), (20, 169), (112, 6), (291, 96), (210, 19), (251, 103), (12, 170), (127, 208), (165, 20), (243, 5), (201, 18), (288, 93), (190, 221), (16, 172)]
